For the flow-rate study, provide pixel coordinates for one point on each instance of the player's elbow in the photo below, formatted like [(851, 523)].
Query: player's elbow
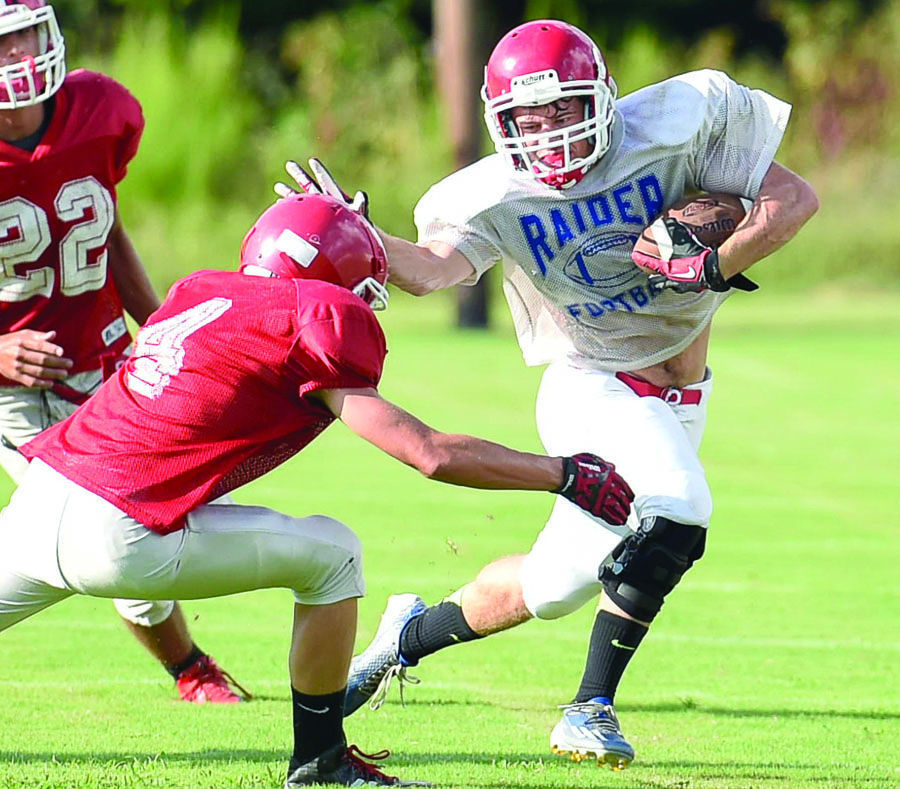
[(434, 467), (421, 288), (799, 197), (433, 461), (807, 199), (435, 278)]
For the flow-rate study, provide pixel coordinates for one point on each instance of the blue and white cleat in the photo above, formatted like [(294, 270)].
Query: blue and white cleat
[(372, 671), (590, 730)]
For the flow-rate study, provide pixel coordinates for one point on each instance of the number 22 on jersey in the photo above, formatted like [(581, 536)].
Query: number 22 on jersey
[(25, 236)]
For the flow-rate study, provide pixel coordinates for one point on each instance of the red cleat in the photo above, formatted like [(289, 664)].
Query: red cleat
[(204, 682)]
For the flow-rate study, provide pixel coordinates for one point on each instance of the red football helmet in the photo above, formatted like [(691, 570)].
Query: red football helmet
[(313, 236), (539, 63), (35, 76)]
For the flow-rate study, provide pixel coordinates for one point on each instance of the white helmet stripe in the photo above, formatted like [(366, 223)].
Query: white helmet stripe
[(296, 248)]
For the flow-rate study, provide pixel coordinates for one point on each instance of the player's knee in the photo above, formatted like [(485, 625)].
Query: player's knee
[(337, 534), (556, 609), (551, 593), (700, 502), (336, 571), (146, 613), (687, 500), (648, 564), (499, 582)]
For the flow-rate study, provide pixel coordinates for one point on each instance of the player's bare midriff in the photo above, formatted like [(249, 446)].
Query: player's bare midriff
[(687, 367)]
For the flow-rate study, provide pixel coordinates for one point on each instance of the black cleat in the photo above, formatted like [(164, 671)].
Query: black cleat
[(344, 765)]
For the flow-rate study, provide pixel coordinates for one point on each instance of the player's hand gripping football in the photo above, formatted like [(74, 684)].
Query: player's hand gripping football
[(690, 267), (321, 182), (593, 484)]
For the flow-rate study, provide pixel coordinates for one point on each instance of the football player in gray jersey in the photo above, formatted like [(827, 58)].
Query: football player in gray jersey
[(576, 177)]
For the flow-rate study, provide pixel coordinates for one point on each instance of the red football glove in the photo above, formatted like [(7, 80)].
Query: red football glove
[(593, 484), (690, 267)]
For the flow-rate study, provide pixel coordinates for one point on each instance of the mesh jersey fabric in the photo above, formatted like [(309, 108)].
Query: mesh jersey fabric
[(572, 288), (216, 392), (57, 207)]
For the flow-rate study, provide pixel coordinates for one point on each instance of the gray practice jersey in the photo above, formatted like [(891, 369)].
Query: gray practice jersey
[(566, 254)]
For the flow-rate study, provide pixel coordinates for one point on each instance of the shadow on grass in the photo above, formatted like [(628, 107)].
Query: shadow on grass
[(507, 760), (644, 774), (125, 759), (618, 779), (687, 705), (262, 697)]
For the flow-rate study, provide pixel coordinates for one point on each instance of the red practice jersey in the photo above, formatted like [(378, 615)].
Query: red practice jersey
[(57, 207), (215, 393)]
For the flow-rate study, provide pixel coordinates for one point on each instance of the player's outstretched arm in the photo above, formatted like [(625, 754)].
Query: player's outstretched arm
[(129, 275), (423, 269), (457, 459), (784, 203), (415, 268)]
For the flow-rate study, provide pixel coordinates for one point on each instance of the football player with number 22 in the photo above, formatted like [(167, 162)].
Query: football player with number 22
[(68, 267), (577, 175)]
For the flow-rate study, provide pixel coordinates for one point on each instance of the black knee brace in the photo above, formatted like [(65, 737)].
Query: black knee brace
[(647, 565)]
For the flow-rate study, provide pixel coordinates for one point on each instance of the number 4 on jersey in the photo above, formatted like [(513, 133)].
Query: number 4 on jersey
[(159, 350)]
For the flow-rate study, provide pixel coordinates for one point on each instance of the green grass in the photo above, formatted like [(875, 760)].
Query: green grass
[(773, 665)]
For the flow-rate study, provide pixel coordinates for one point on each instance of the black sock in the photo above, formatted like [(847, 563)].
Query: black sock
[(195, 654), (439, 626), (613, 641), (318, 724)]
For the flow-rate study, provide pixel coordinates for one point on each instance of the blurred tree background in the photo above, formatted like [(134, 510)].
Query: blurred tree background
[(232, 89)]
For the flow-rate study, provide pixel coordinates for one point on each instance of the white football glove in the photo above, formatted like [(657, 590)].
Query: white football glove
[(321, 182)]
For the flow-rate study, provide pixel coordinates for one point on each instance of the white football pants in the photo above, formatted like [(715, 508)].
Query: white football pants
[(56, 539), (653, 445), (26, 412)]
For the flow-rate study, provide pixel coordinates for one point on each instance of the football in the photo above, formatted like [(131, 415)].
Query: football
[(712, 217)]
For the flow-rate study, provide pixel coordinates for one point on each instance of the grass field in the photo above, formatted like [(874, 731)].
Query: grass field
[(775, 664)]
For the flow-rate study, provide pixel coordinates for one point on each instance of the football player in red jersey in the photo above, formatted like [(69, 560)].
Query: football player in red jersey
[(68, 268), (233, 375)]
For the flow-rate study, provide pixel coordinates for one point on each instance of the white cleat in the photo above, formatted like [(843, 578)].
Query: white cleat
[(589, 730), (372, 671)]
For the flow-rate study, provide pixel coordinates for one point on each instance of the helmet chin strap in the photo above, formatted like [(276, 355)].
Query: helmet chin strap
[(551, 177), (553, 160), (563, 180)]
